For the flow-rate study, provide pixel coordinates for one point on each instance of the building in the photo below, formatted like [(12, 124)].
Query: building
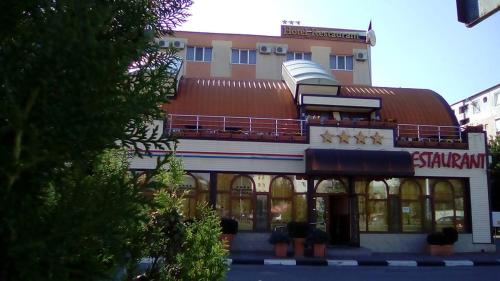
[(274, 129), (482, 108)]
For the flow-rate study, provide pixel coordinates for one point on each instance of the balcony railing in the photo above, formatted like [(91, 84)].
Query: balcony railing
[(242, 125), (412, 132), (295, 129)]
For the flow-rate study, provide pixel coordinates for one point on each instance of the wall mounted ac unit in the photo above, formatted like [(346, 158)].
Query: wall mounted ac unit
[(265, 49), (178, 44), (361, 55), (281, 50), (163, 43)]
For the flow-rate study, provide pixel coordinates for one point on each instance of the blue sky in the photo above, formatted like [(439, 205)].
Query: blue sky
[(420, 44)]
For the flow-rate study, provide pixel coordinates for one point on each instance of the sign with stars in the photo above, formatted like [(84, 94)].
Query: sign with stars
[(377, 139), (360, 138)]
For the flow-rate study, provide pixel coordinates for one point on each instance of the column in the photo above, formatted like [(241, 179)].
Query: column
[(212, 198), (353, 214)]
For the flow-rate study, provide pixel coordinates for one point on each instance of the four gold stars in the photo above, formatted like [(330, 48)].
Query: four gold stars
[(327, 137)]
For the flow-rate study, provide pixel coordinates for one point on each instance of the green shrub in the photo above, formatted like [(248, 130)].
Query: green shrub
[(279, 237), (298, 229), (229, 226), (317, 236)]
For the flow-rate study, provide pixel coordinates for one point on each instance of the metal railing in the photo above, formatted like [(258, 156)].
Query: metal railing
[(245, 125), (428, 133)]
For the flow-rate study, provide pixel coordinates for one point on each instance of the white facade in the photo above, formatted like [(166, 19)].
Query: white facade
[(480, 109)]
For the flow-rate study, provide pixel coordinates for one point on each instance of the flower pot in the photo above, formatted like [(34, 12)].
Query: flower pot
[(298, 247), (319, 250), (227, 240), (280, 249), (440, 250)]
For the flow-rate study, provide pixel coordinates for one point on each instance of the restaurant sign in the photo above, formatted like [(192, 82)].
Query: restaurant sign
[(428, 159), (318, 33)]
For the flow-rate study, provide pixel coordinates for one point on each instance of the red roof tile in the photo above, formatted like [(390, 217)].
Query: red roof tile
[(407, 106), (226, 97)]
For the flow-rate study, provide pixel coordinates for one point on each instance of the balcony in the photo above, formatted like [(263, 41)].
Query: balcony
[(295, 130), (236, 128)]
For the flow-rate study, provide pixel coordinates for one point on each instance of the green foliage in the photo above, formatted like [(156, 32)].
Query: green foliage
[(494, 145), (78, 80), (279, 237), (203, 255)]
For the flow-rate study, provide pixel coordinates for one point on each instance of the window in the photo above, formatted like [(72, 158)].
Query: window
[(239, 56), (324, 189), (476, 107), (242, 193), (497, 99), (194, 189), (463, 109), (449, 205), (497, 126), (298, 56), (341, 62), (199, 54), (411, 206), (281, 201), (376, 206)]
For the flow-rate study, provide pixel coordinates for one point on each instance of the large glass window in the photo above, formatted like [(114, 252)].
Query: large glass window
[(449, 205), (341, 62), (242, 191), (376, 206), (281, 201), (298, 56), (239, 56), (411, 206), (199, 54), (324, 189)]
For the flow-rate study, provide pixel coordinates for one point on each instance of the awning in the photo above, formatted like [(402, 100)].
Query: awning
[(326, 162)]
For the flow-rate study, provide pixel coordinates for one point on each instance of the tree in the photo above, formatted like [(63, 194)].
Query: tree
[(78, 80), (494, 146)]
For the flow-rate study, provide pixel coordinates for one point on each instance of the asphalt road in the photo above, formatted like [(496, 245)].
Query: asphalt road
[(363, 273)]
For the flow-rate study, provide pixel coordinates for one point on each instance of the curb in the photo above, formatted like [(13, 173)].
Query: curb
[(337, 263)]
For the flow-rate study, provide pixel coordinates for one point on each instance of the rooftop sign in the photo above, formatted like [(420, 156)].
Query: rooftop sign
[(320, 33)]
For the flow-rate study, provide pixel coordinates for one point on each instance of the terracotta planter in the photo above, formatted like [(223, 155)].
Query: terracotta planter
[(298, 247), (227, 240), (319, 250), (440, 250), (280, 249)]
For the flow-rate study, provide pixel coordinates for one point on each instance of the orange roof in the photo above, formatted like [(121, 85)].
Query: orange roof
[(227, 97), (406, 105), (272, 99)]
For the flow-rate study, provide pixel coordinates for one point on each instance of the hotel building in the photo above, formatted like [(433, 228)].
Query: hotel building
[(274, 129)]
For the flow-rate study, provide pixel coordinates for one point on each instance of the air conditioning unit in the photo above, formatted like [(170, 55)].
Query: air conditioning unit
[(163, 43), (265, 49), (361, 55), (178, 44), (281, 50)]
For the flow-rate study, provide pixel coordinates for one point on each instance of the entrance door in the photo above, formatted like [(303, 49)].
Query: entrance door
[(338, 226)]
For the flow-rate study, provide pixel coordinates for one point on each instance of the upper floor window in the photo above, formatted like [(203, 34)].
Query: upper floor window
[(199, 54), (497, 99), (463, 109), (239, 56), (341, 62), (476, 107), (298, 56)]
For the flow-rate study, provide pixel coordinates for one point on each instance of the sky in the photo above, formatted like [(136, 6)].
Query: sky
[(420, 44)]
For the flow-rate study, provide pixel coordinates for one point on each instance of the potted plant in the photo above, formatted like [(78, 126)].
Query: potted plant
[(318, 239), (280, 240), (298, 231), (229, 229), (441, 243)]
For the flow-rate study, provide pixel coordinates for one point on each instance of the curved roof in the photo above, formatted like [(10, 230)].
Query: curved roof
[(227, 97), (273, 99), (308, 72), (406, 105)]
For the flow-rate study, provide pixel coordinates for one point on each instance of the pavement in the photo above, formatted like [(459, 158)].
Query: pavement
[(364, 258)]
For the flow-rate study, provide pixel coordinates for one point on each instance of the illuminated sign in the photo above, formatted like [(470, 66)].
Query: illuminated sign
[(427, 159), (306, 32)]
